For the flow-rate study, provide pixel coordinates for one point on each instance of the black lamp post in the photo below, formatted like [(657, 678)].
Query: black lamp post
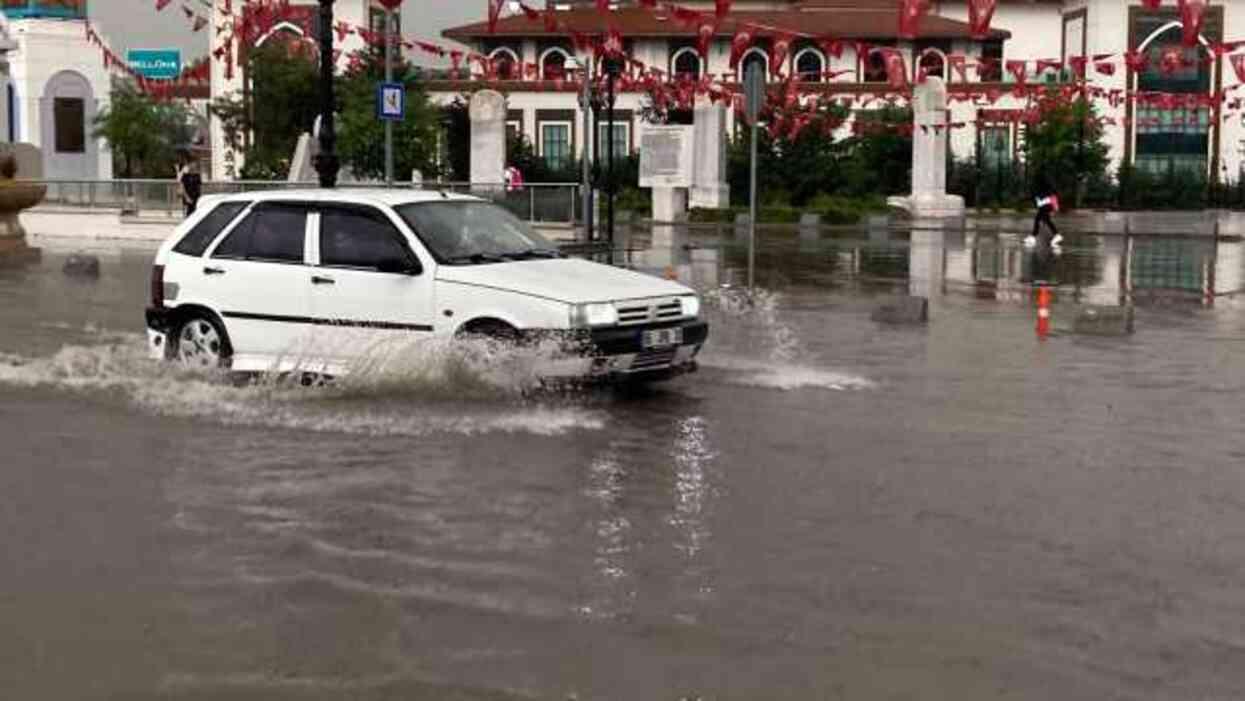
[(613, 66), (327, 164)]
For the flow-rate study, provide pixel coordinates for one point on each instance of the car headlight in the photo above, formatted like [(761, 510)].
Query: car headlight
[(593, 315), (691, 305)]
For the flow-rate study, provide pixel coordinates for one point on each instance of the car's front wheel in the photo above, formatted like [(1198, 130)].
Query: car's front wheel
[(200, 342)]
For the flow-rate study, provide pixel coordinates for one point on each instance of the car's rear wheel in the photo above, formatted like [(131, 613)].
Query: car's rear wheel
[(200, 342)]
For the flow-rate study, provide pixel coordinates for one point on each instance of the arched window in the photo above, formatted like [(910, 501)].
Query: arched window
[(933, 63), (810, 65), (505, 64), (754, 56), (553, 64), (874, 67), (1177, 137), (686, 64)]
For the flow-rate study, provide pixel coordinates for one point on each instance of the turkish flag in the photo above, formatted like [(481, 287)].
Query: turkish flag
[(1017, 69), (161, 4), (910, 12), (1044, 64), (1152, 4), (957, 62), (896, 71), (1078, 64), (722, 8), (494, 11), (740, 44), (778, 53), (1171, 60), (1238, 65), (704, 35), (832, 47), (1105, 68), (1191, 15), (1136, 61), (980, 12)]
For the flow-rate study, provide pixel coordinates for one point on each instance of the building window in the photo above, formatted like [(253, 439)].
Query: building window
[(514, 128), (755, 57), (69, 120), (874, 67), (932, 64), (996, 149), (553, 65), (992, 62), (622, 143), (505, 64), (1179, 138), (686, 64), (810, 65), (555, 143)]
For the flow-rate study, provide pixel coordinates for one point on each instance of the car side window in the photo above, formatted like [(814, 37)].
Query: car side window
[(203, 233), (269, 233), (357, 239)]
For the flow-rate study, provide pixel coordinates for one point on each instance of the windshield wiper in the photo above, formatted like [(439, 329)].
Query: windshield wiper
[(533, 253), (476, 258)]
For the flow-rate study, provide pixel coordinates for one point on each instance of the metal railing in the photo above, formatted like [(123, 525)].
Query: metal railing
[(551, 203)]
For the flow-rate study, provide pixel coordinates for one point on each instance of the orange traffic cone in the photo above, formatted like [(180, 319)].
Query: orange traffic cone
[(1043, 315)]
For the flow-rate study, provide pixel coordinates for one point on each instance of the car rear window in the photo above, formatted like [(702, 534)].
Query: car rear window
[(203, 233)]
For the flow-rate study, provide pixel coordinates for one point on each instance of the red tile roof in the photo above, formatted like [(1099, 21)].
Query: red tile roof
[(855, 22)]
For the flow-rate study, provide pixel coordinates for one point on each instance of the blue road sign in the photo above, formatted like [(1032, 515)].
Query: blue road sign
[(391, 101), (155, 64)]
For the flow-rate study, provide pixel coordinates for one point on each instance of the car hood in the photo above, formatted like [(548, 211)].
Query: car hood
[(572, 280)]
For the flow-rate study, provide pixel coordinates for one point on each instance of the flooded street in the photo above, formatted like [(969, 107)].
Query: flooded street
[(830, 509)]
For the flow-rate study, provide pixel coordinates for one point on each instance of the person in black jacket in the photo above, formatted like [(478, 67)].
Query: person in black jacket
[(1047, 202), (189, 182)]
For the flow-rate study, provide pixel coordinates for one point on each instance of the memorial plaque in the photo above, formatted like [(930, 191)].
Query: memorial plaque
[(666, 157)]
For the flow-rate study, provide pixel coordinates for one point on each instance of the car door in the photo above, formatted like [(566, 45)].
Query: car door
[(258, 277), (370, 286)]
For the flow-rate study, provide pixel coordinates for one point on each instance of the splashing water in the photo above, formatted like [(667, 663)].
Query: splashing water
[(430, 387)]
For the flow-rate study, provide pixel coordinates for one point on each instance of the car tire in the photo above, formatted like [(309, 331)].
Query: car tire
[(200, 341)]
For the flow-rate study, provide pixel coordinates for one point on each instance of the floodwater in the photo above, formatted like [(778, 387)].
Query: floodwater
[(829, 509)]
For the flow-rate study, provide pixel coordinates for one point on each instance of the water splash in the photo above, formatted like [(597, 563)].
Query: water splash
[(425, 388)]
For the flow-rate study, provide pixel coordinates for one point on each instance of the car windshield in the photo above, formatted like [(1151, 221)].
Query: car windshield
[(465, 232)]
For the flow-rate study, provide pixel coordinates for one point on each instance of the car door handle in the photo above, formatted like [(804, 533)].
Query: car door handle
[(213, 271), (319, 280)]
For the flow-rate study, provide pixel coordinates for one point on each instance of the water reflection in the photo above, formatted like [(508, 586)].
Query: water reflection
[(1102, 270)]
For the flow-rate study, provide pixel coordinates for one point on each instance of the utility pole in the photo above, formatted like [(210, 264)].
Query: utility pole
[(585, 103), (327, 164), (390, 30)]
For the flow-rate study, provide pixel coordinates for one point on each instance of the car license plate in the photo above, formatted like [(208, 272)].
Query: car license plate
[(660, 338)]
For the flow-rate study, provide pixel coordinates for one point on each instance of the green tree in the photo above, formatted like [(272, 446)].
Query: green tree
[(361, 135), (1065, 148), (144, 133), (283, 101), (878, 160)]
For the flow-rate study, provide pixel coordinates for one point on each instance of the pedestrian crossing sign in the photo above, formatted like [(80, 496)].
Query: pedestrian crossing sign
[(391, 101)]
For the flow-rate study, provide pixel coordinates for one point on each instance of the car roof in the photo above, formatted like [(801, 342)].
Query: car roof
[(350, 195)]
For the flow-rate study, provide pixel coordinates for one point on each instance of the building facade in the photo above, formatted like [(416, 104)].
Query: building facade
[(547, 109), (56, 85)]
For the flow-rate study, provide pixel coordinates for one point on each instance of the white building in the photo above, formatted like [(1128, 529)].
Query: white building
[(55, 87), (547, 111)]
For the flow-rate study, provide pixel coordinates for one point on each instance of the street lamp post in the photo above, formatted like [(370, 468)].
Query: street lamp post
[(327, 163), (613, 66)]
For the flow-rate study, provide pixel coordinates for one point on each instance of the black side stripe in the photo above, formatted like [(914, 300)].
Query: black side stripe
[(391, 325)]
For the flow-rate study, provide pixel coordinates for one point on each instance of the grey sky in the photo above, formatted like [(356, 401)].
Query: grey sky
[(136, 24)]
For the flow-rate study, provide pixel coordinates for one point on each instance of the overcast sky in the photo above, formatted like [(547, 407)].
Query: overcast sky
[(136, 24)]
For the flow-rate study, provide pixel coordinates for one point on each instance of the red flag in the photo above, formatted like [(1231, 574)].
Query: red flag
[(910, 12), (832, 47), (613, 46), (1044, 64), (1105, 68), (896, 71), (1171, 60), (1017, 69), (740, 44), (1136, 61), (722, 8), (1191, 15), (1152, 4), (161, 4), (1078, 64), (704, 35), (494, 11), (685, 17), (603, 5), (957, 62), (980, 12), (779, 50), (1238, 65)]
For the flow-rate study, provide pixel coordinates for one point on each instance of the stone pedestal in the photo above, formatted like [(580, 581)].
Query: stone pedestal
[(929, 198), (487, 111), (669, 204), (709, 188)]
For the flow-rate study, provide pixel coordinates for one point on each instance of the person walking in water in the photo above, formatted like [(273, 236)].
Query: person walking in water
[(1047, 202)]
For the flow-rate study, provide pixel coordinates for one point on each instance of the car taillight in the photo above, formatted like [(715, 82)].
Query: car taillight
[(157, 286)]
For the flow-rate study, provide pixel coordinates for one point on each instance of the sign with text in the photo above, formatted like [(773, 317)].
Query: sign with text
[(155, 64), (666, 157)]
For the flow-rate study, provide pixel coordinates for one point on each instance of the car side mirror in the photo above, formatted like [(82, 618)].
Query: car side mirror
[(399, 266)]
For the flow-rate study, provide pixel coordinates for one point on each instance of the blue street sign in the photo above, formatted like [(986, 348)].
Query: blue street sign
[(391, 101), (155, 64)]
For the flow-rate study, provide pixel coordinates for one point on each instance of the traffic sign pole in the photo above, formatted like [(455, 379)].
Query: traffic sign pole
[(754, 94), (389, 32)]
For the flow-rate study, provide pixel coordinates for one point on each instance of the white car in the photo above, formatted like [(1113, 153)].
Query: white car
[(289, 280)]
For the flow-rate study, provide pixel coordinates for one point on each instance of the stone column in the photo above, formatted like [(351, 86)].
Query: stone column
[(488, 138), (709, 188), (929, 196)]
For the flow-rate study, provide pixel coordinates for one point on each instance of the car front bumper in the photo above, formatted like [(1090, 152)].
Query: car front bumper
[(619, 352)]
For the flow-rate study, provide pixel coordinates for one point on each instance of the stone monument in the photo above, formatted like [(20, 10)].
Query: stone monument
[(487, 111), (709, 188), (929, 198)]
